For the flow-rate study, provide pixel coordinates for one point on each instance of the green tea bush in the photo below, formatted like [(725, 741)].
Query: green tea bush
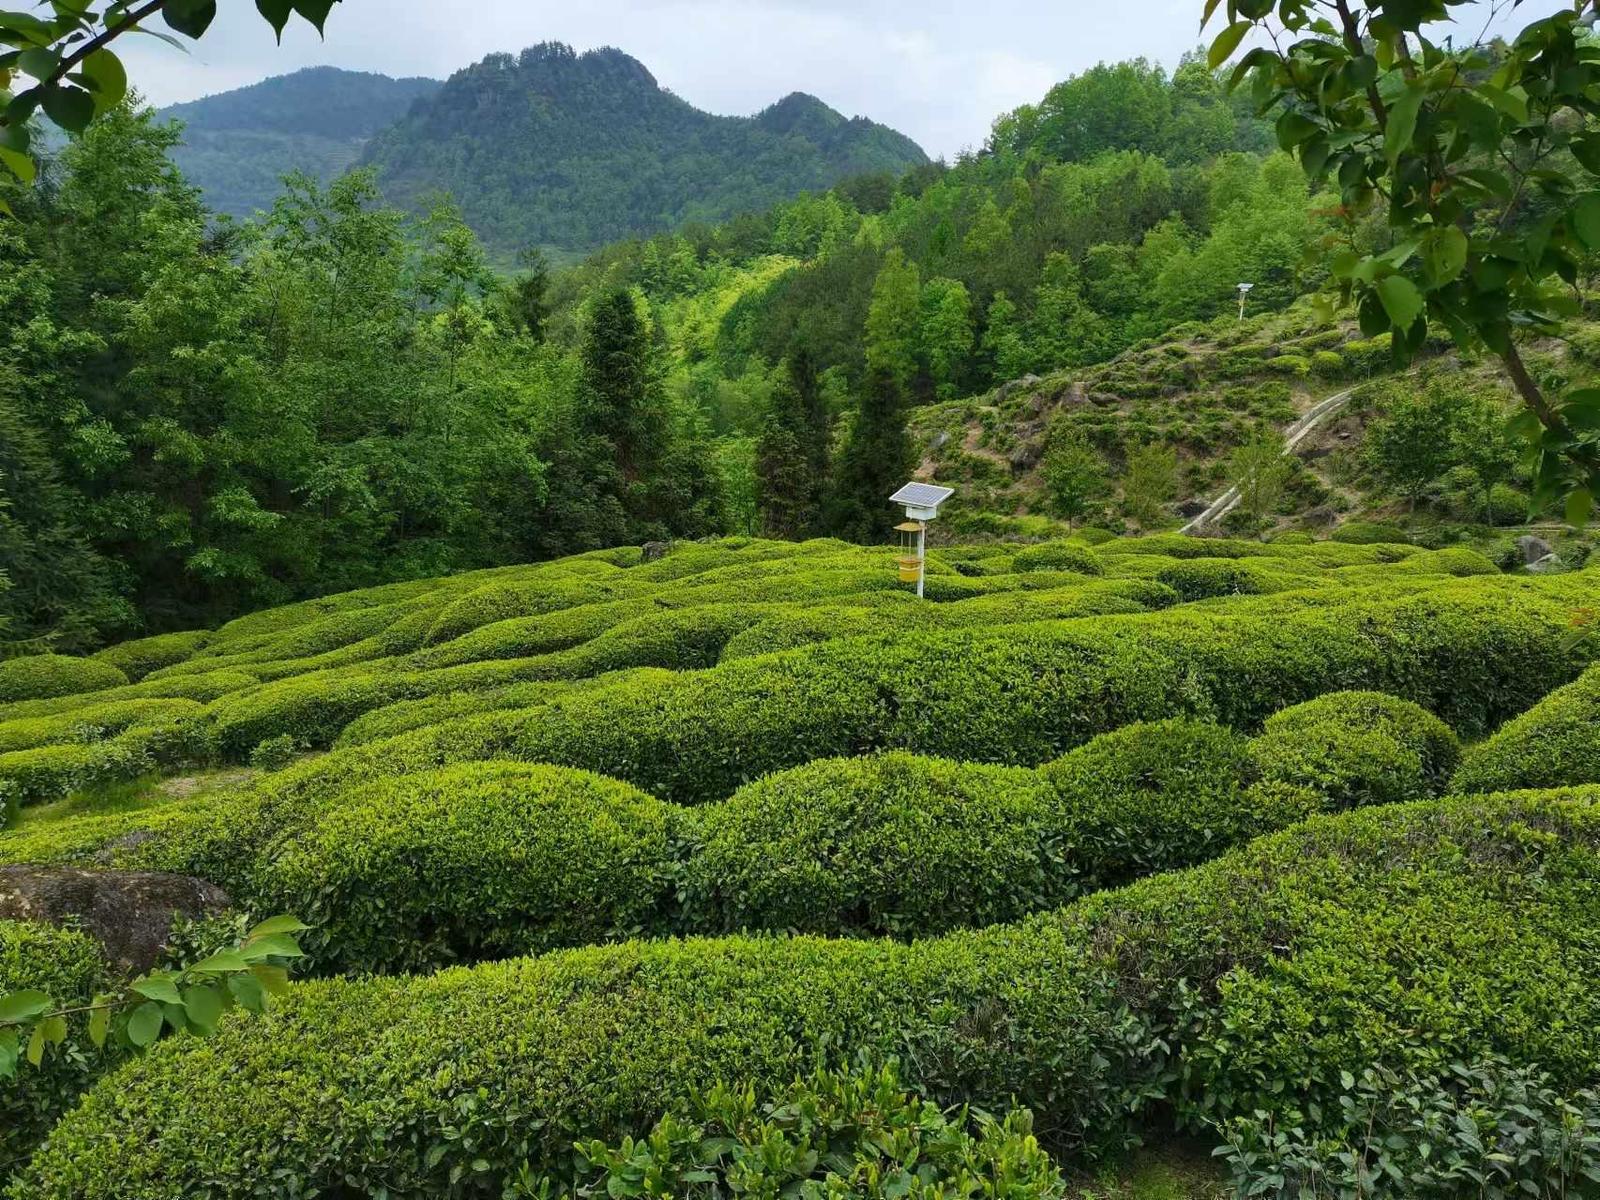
[(1205, 578), (202, 688), (854, 1134), (1369, 533), (1555, 743), (1059, 556), (477, 861), (275, 753), (45, 676), (59, 962), (93, 722), (1492, 1129), (139, 658), (1474, 653), (1408, 937), (501, 601), (1359, 748), (1329, 364), (527, 637), (894, 844)]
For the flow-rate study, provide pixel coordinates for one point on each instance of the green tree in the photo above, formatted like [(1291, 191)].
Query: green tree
[(876, 460), (1074, 473), (1150, 482), (1003, 340), (1261, 471), (1482, 441), (791, 453), (946, 334), (894, 319), (1460, 154), (1414, 441)]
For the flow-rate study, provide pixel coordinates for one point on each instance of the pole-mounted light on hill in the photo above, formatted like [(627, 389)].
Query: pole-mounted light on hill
[(921, 502), (1244, 291)]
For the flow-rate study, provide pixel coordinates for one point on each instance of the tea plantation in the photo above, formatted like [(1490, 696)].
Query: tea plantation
[(1291, 850)]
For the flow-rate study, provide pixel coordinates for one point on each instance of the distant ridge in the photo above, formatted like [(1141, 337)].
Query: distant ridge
[(574, 150), (239, 144)]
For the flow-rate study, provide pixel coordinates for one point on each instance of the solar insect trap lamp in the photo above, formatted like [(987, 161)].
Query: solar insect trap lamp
[(1244, 293), (921, 502)]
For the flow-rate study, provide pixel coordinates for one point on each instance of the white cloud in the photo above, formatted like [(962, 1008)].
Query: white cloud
[(938, 70)]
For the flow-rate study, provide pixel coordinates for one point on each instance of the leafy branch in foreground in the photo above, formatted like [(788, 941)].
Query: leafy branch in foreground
[(190, 1000), (1482, 162), (74, 74)]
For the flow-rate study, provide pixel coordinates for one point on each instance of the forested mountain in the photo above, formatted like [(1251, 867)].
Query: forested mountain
[(237, 146), (569, 150)]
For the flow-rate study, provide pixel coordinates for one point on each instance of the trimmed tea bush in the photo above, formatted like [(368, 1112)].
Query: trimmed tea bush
[(139, 658), (58, 962), (1359, 748), (472, 862), (1369, 533), (92, 723), (1059, 556), (895, 844), (1199, 987), (833, 1134), (1555, 743), (45, 676)]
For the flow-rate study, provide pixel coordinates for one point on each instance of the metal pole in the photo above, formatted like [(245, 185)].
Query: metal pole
[(922, 555)]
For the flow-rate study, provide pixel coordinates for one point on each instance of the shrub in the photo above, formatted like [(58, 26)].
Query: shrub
[(1368, 533), (62, 963), (1205, 578), (1492, 1128), (833, 1134), (93, 722), (1020, 695), (1329, 364), (1359, 748), (136, 659), (1059, 556), (275, 753), (477, 861), (1197, 988), (45, 676), (894, 844), (1555, 743)]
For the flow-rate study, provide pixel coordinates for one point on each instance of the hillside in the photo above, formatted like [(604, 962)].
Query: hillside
[(238, 145), (555, 148), (1023, 812)]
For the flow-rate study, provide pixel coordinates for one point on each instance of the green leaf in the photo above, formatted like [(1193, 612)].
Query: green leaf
[(275, 980), (18, 1007), (1444, 253), (1586, 149), (54, 1029), (203, 1006), (99, 1026), (1402, 124), (1401, 300), (277, 14), (39, 62), (144, 1023), (1580, 506), (69, 107), (8, 1053), (104, 70), (221, 962), (280, 945), (272, 925), (248, 991), (1586, 219), (157, 987), (189, 17), (1227, 42), (315, 11), (36, 1046), (1582, 409)]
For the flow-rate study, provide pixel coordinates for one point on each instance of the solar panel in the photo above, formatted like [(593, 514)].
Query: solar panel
[(922, 495)]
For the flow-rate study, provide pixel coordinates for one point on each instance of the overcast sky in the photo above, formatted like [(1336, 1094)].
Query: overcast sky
[(938, 70)]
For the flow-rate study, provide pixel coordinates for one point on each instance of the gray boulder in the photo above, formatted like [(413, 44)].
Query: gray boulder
[(652, 551), (1533, 549), (129, 912), (1550, 564)]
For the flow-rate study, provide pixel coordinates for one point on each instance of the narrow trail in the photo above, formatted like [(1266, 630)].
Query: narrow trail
[(1293, 436)]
